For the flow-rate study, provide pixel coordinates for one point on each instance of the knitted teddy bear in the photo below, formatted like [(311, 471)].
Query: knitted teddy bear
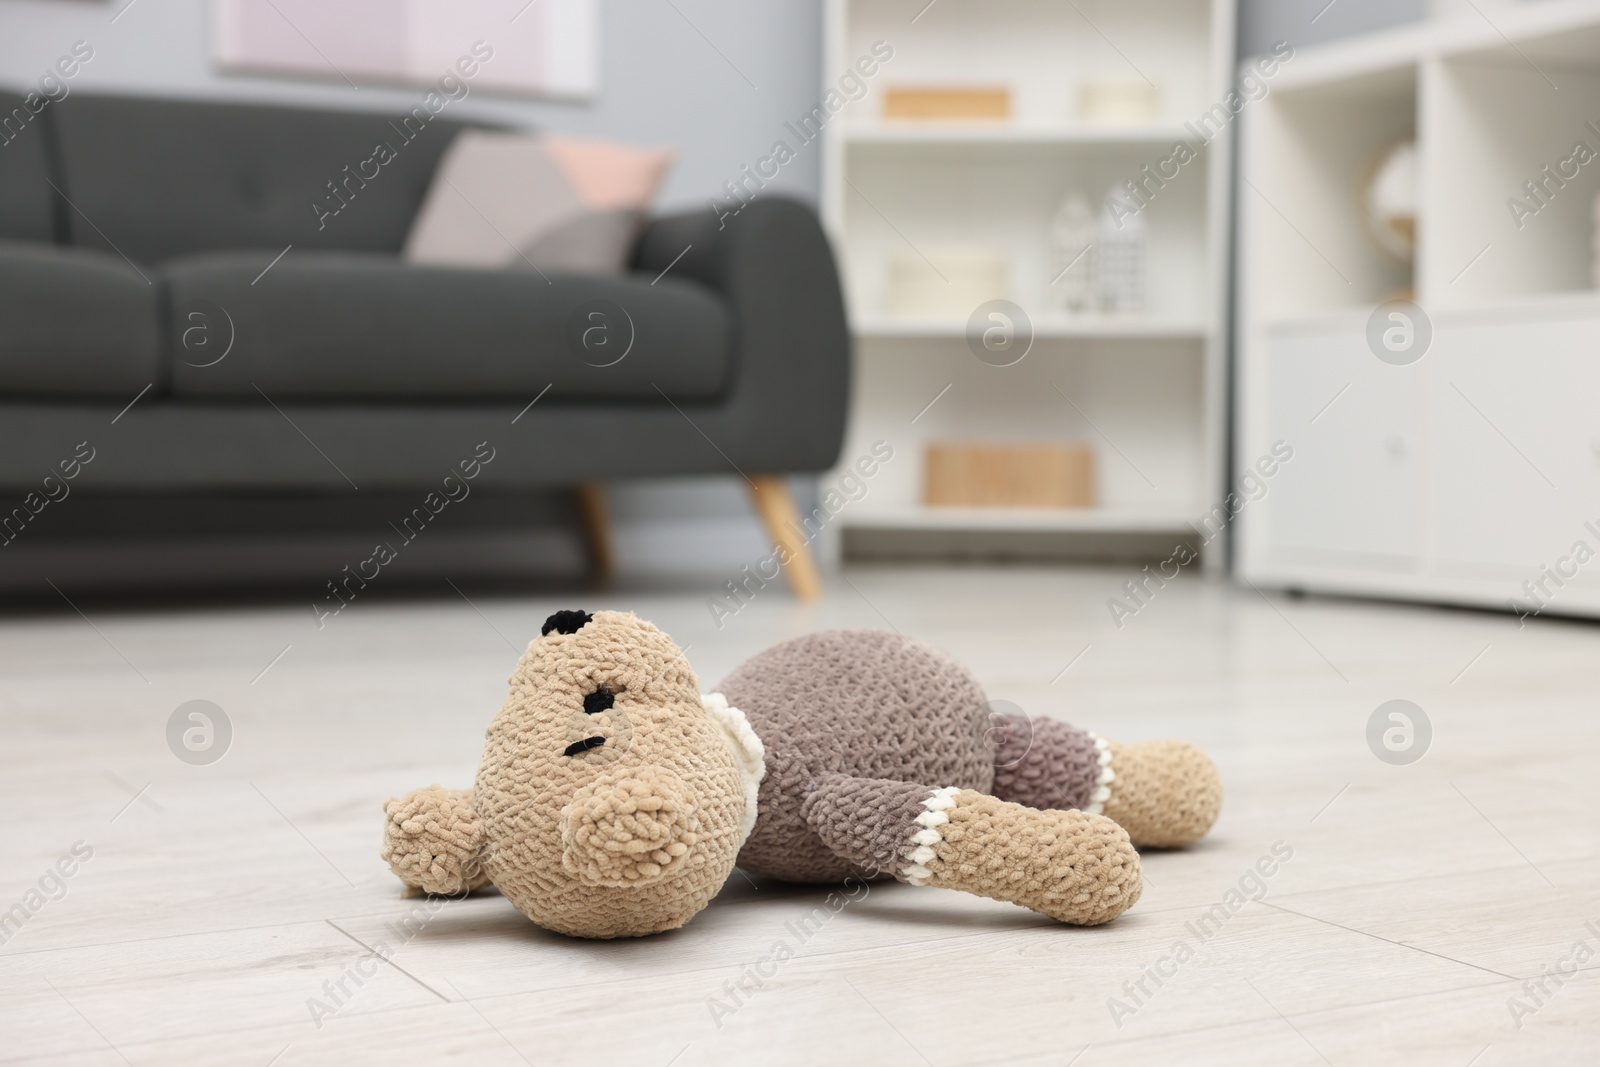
[(614, 799)]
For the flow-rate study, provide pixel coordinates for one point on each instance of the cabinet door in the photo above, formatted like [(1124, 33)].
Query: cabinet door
[(1515, 408), (1350, 490)]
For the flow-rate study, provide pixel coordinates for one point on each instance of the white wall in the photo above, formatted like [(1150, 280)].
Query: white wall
[(662, 81)]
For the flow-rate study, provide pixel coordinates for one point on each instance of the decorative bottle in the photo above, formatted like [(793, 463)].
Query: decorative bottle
[(1120, 256), (1072, 255)]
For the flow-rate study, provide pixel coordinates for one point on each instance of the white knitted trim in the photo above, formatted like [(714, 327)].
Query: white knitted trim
[(748, 754), (941, 801), (1102, 782)]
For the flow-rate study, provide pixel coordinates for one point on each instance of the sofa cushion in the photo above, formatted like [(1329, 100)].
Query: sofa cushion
[(564, 203), (75, 322), (162, 178), (25, 197), (342, 325)]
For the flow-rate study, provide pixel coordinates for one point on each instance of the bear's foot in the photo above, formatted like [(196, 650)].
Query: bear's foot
[(1166, 794)]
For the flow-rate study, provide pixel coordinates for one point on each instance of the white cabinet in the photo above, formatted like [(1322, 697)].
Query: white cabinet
[(1515, 407), (1351, 487), (1463, 476)]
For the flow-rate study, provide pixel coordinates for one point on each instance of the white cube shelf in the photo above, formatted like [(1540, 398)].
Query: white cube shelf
[(1470, 475), (1147, 391)]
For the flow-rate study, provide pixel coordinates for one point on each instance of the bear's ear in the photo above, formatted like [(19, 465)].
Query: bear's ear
[(565, 622)]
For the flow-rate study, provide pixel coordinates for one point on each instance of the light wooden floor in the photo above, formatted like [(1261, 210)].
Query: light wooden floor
[(219, 902)]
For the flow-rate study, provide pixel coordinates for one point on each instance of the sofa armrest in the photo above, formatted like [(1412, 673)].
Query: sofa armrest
[(785, 410)]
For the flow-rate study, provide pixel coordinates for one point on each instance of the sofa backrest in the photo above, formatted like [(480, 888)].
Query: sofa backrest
[(163, 178), (26, 202)]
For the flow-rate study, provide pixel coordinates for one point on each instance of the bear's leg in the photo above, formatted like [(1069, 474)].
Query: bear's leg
[(1164, 793), (433, 841), (1072, 866)]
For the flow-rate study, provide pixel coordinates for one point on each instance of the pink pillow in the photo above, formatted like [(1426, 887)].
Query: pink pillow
[(514, 200)]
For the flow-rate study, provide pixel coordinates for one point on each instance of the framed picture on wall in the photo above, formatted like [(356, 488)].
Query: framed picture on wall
[(532, 47)]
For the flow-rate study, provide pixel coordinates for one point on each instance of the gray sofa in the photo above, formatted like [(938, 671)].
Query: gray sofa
[(141, 239)]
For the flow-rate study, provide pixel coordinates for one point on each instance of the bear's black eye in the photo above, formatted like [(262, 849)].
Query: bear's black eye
[(565, 622), (600, 700)]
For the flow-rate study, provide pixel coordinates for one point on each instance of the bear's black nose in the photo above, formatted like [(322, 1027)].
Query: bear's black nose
[(565, 622)]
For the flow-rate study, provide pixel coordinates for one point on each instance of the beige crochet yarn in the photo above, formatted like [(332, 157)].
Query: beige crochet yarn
[(434, 841), (1069, 865), (631, 835), (1166, 793), (613, 798)]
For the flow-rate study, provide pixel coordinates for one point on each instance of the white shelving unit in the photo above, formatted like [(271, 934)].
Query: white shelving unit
[(1459, 477), (1147, 391)]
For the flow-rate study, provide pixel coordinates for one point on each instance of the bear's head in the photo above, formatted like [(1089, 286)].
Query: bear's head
[(613, 798)]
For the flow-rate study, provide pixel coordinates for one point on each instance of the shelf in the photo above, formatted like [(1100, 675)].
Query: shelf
[(1579, 303), (1368, 57), (1045, 327), (1351, 316), (1583, 303), (1560, 32), (1066, 520), (990, 134)]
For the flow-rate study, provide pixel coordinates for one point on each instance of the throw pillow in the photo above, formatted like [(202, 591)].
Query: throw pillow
[(514, 200)]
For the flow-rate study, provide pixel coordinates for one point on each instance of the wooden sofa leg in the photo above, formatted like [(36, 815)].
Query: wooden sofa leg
[(782, 520), (591, 501)]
